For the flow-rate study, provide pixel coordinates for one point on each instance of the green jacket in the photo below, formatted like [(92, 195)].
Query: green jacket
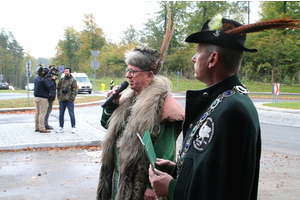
[(164, 148), (223, 161), (71, 84)]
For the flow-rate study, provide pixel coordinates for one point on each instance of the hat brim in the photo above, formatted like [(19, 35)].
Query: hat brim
[(218, 38)]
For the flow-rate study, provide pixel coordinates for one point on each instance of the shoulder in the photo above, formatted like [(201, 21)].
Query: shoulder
[(72, 78), (172, 110)]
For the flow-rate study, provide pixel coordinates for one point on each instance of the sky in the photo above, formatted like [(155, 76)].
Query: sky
[(38, 25)]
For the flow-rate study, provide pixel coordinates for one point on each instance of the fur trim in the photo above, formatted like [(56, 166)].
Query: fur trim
[(132, 154)]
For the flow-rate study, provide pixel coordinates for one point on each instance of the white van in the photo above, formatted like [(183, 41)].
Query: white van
[(83, 82)]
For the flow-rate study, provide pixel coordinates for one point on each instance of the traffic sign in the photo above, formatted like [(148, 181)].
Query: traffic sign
[(276, 88), (95, 64), (95, 53), (28, 65), (61, 68)]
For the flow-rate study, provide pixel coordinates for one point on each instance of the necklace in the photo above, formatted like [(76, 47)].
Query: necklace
[(182, 153)]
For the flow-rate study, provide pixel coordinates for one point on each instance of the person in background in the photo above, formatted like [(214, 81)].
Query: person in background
[(147, 105), (66, 94), (112, 83), (42, 87), (52, 95)]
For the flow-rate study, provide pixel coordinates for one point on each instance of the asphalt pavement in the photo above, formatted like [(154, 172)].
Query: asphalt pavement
[(18, 136)]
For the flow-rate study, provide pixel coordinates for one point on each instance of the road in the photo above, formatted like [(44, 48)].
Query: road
[(73, 173)]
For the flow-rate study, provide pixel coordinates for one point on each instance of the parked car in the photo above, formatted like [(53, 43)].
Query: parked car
[(11, 87), (31, 86), (4, 86)]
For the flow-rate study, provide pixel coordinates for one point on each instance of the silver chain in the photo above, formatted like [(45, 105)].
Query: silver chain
[(182, 154)]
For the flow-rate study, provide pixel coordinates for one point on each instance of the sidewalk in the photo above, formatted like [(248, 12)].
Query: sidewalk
[(18, 136)]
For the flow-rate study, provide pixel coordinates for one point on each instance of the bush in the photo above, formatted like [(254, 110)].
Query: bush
[(293, 81), (287, 80)]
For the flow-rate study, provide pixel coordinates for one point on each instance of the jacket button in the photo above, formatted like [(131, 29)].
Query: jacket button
[(205, 95), (191, 126)]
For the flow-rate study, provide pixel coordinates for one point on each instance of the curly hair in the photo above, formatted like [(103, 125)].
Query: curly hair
[(144, 58)]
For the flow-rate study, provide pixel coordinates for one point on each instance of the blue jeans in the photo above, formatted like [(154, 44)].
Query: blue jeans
[(62, 108)]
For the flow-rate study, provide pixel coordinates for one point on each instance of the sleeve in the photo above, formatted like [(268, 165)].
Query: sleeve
[(47, 83), (107, 112), (58, 89), (74, 90), (165, 146), (171, 188)]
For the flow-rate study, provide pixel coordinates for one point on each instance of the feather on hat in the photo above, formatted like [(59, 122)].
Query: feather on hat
[(151, 59), (231, 34)]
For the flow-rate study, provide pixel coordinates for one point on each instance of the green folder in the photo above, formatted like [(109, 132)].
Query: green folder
[(148, 146)]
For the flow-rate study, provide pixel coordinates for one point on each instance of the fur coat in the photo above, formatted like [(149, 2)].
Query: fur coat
[(153, 106)]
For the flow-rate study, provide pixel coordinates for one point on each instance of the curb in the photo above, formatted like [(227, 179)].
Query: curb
[(51, 145), (33, 108)]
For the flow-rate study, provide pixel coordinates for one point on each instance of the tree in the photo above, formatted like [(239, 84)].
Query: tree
[(130, 35), (91, 38)]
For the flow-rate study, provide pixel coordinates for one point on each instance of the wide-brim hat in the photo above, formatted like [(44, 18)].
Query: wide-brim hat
[(219, 37)]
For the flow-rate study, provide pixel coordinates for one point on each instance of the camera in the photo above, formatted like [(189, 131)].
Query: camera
[(44, 72), (65, 90)]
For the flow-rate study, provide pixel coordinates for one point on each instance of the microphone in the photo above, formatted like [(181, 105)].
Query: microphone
[(122, 87)]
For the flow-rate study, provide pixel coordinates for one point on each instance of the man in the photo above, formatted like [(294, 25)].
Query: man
[(148, 105), (66, 94), (42, 86), (52, 95), (221, 148), (112, 83)]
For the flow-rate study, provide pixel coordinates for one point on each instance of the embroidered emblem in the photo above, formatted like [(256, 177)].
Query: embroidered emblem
[(217, 33), (205, 135)]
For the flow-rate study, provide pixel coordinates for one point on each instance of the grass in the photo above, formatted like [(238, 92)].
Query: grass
[(180, 86), (23, 102), (289, 105)]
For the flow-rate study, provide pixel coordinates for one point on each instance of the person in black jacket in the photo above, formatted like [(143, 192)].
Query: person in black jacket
[(221, 147), (42, 87), (52, 94)]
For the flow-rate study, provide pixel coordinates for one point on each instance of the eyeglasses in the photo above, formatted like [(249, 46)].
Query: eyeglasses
[(131, 72)]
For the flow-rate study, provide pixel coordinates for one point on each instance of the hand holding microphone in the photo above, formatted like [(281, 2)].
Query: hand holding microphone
[(122, 87)]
